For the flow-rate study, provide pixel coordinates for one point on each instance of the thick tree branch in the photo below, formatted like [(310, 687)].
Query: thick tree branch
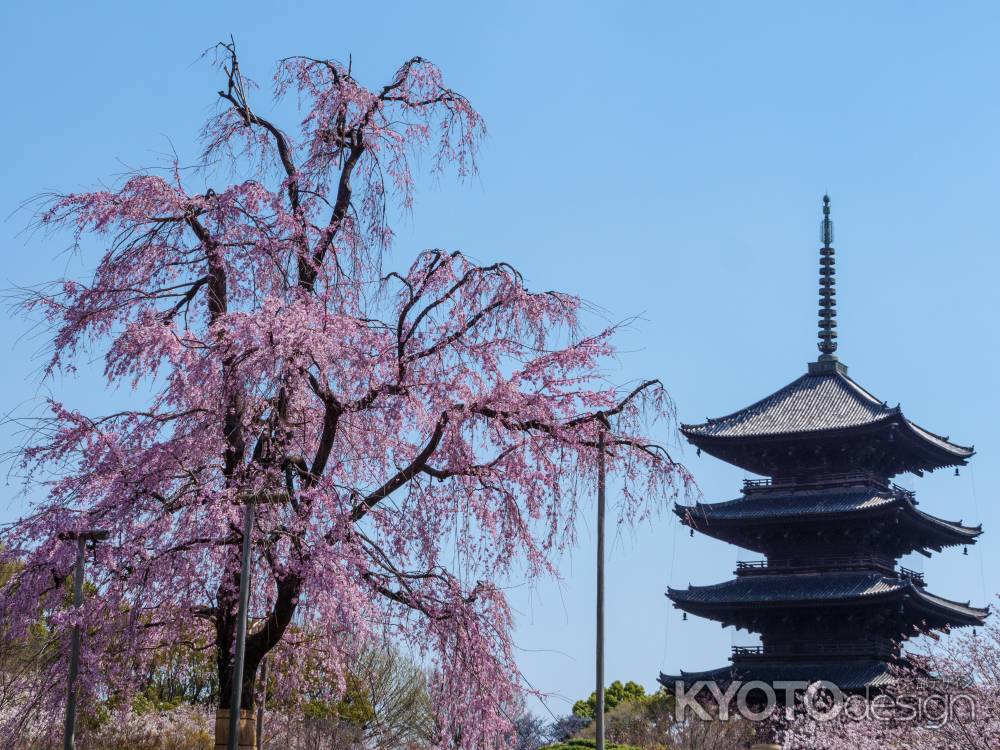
[(403, 475)]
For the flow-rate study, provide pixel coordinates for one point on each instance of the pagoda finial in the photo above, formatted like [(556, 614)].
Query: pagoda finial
[(827, 289)]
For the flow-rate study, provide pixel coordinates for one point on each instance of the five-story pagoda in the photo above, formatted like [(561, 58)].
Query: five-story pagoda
[(829, 601)]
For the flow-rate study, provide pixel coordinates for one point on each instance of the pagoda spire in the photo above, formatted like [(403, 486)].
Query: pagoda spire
[(827, 289)]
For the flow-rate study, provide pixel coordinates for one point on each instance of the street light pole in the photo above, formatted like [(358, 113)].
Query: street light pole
[(236, 695), (241, 629), (600, 589), (81, 537)]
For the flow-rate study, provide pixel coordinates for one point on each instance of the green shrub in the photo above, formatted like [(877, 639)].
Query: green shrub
[(615, 693), (587, 745)]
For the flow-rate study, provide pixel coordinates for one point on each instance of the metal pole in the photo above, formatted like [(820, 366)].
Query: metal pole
[(241, 631), (81, 538), (69, 739), (600, 590), (263, 704)]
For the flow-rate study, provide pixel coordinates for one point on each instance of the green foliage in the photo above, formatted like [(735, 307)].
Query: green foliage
[(353, 707), (7, 571), (615, 693), (180, 674), (146, 703), (587, 745)]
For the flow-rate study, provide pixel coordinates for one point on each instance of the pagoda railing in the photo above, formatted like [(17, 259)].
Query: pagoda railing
[(816, 564), (818, 480), (825, 564), (817, 648), (917, 578)]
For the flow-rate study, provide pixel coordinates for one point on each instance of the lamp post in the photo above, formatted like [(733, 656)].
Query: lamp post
[(600, 589), (241, 628), (81, 537), (236, 696)]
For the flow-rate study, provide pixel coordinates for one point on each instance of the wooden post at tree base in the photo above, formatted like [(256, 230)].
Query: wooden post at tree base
[(767, 746), (600, 590), (246, 737)]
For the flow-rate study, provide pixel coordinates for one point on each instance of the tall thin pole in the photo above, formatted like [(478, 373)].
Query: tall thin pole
[(69, 739), (241, 630), (600, 589), (81, 538), (263, 704)]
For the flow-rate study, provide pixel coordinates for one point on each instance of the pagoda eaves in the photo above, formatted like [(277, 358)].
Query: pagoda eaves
[(862, 507), (733, 600)]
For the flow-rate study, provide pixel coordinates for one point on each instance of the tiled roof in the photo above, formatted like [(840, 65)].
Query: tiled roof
[(792, 503), (777, 504), (809, 404), (816, 588), (791, 588), (814, 403), (846, 675)]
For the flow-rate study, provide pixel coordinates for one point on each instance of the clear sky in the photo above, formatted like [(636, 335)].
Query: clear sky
[(662, 159)]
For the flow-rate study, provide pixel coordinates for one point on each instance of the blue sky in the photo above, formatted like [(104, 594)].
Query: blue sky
[(664, 160)]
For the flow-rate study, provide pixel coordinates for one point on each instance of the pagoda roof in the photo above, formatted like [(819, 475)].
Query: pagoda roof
[(854, 675), (781, 504), (855, 587), (810, 403), (778, 504), (823, 402)]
